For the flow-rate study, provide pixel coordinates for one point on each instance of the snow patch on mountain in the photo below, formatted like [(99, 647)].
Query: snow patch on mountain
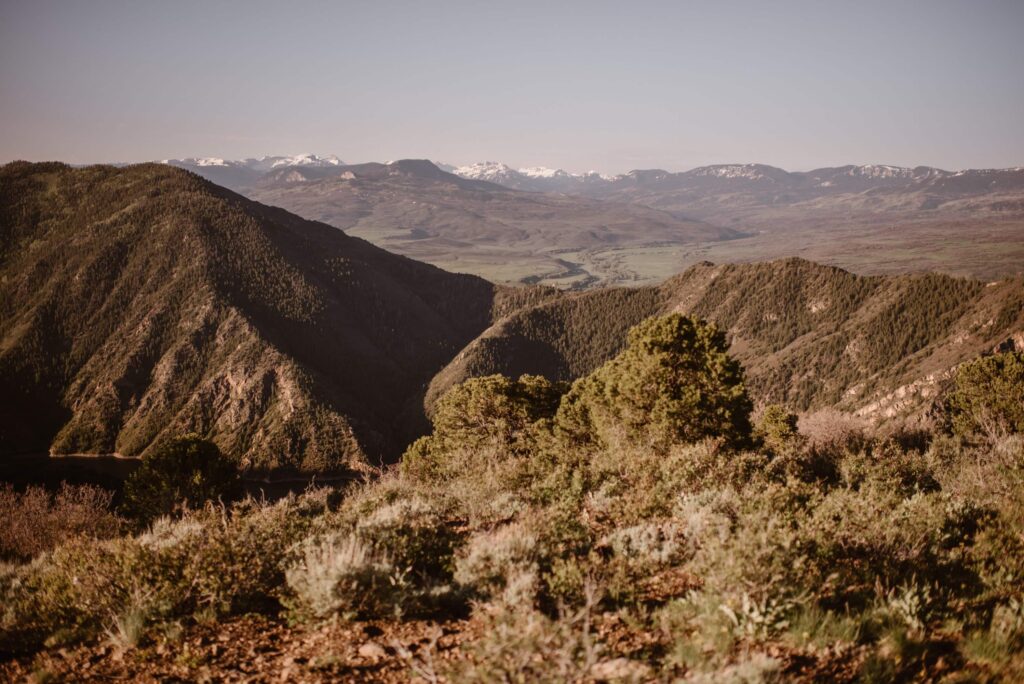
[(496, 172), (544, 172), (200, 161), (485, 171), (303, 160), (881, 171), (746, 171), (265, 163)]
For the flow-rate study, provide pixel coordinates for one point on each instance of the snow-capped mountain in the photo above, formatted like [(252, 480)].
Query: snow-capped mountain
[(754, 172), (237, 173), (874, 185), (301, 160), (882, 171), (492, 172), (265, 163), (536, 178), (743, 177), (544, 172)]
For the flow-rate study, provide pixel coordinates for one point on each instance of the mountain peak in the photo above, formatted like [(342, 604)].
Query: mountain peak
[(494, 172), (265, 163), (302, 160), (545, 172), (745, 171), (417, 167)]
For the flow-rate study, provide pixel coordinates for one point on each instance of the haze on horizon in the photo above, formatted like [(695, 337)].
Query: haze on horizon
[(576, 85)]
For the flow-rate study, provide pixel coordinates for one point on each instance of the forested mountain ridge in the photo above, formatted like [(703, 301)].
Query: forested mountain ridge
[(809, 336), (142, 302), (145, 302)]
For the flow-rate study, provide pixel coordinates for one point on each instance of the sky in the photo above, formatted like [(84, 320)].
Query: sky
[(605, 86)]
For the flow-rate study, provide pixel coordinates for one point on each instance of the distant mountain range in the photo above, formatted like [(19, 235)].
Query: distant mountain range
[(238, 173), (536, 179), (829, 180), (718, 177), (578, 230), (923, 187), (415, 208)]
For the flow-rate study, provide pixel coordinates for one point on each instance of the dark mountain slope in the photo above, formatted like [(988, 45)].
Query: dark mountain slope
[(144, 301), (809, 335)]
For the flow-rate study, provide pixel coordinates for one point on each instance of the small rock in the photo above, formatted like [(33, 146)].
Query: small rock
[(372, 649)]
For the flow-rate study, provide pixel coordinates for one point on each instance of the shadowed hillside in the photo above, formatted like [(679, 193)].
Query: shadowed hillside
[(808, 335), (142, 302)]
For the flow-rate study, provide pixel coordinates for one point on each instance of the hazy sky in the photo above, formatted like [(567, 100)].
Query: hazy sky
[(580, 85)]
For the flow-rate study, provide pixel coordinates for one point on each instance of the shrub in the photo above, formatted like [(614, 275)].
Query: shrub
[(387, 541), (494, 561), (208, 563), (490, 411), (987, 397), (777, 429), (524, 645), (237, 561), (342, 575), (831, 430), (673, 383), (414, 536), (700, 631), (128, 626), (35, 520), (179, 474)]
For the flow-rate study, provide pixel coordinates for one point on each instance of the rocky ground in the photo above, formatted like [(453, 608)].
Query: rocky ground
[(256, 648)]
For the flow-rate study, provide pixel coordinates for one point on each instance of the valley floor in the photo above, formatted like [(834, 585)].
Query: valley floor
[(987, 249)]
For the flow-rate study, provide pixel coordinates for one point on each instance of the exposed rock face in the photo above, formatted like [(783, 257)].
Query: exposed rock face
[(144, 302)]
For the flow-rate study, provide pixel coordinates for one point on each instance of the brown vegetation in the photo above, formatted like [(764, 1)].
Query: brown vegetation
[(846, 556), (35, 520)]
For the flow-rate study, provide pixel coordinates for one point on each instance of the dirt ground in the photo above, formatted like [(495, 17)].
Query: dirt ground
[(256, 648)]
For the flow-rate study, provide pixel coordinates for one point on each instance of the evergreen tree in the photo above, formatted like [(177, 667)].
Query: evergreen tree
[(987, 397), (180, 473), (673, 383)]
